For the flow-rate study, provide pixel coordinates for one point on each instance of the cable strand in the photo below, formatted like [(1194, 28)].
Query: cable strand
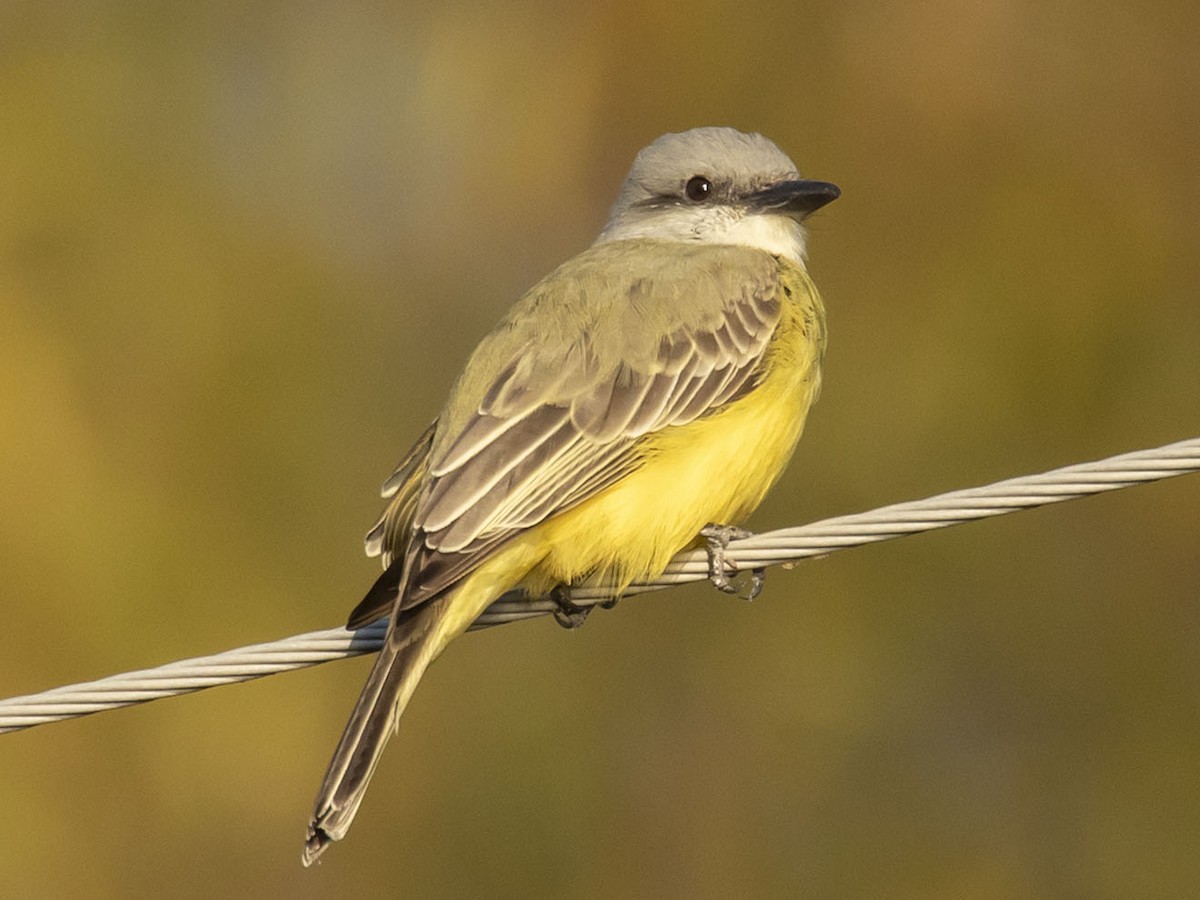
[(787, 545)]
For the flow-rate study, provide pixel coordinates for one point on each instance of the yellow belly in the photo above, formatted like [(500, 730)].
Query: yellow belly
[(716, 469)]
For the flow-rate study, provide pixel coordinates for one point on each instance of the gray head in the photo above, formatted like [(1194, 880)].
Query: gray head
[(719, 186)]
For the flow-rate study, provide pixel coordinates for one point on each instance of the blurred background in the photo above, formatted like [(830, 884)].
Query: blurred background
[(243, 253)]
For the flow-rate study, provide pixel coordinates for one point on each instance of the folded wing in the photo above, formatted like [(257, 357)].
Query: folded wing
[(573, 385)]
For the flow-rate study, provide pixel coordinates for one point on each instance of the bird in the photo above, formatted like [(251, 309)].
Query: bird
[(639, 400)]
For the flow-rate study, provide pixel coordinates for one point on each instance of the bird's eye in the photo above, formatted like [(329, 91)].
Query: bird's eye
[(698, 189)]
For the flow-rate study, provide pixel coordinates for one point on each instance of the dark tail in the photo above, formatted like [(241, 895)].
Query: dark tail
[(409, 649)]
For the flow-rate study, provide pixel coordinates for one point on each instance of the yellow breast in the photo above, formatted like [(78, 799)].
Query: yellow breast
[(715, 469)]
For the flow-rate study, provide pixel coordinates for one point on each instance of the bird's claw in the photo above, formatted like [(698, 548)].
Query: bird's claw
[(567, 614), (716, 541)]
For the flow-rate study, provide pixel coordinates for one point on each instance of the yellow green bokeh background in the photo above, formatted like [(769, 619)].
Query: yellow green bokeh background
[(243, 253)]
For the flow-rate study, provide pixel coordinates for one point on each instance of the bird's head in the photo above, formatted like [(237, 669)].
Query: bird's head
[(717, 186)]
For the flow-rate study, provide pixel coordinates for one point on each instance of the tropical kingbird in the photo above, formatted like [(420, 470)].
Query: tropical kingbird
[(646, 389)]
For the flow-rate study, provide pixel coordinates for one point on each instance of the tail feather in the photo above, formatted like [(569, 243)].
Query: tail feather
[(415, 639), (408, 651)]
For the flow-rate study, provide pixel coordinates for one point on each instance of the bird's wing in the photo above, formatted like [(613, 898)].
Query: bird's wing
[(579, 372), (402, 487)]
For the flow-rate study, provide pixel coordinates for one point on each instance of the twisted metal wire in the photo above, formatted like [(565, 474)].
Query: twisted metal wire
[(769, 548)]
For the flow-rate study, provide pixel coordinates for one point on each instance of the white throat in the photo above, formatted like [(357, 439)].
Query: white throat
[(778, 235)]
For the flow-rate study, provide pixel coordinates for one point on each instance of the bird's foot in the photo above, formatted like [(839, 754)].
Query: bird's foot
[(716, 541), (569, 615)]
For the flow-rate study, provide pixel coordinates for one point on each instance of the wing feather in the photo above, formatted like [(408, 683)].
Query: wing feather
[(654, 404), (478, 516), (604, 413), (403, 486), (587, 365), (478, 434), (510, 454), (414, 459)]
